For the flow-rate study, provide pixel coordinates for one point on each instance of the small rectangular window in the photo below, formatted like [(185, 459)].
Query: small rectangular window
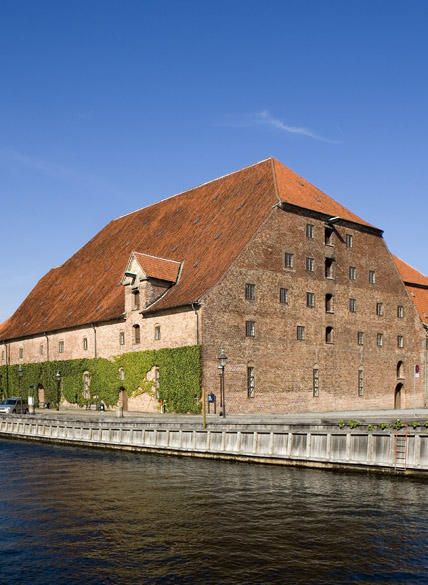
[(157, 332), (349, 240), (61, 347), (136, 297), (251, 382), (372, 276), (360, 383), (41, 349), (360, 338), (283, 295), (289, 260), (310, 263), (352, 272), (310, 299), (250, 328), (400, 311), (250, 291), (2, 355), (329, 334), (300, 333), (379, 309), (122, 338), (380, 339), (309, 230), (352, 305), (85, 343), (316, 383), (400, 341), (21, 353)]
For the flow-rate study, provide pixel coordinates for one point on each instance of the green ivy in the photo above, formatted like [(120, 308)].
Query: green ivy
[(179, 378)]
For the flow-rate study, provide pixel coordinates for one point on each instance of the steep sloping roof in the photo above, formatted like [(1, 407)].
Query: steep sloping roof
[(416, 285), (205, 228), (158, 267)]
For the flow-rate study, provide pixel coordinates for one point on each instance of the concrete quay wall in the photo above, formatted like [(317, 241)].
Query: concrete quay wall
[(317, 445)]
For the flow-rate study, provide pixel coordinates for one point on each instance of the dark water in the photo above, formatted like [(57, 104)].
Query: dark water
[(69, 515)]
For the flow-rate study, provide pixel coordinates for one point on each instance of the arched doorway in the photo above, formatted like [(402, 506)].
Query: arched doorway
[(123, 398), (397, 396)]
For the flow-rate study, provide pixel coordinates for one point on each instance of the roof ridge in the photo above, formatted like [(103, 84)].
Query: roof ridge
[(157, 257), (192, 188)]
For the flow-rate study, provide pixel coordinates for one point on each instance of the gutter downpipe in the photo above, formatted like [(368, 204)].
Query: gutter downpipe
[(197, 322), (95, 339), (47, 346)]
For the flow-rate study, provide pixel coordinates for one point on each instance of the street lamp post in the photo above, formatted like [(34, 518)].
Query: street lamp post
[(222, 361), (20, 374), (58, 389)]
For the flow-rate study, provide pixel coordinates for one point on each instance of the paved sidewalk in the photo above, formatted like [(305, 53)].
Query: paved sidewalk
[(363, 416)]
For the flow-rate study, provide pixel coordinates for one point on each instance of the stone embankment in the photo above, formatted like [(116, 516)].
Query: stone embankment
[(316, 443)]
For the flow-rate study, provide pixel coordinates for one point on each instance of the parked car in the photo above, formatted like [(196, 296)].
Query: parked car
[(13, 406)]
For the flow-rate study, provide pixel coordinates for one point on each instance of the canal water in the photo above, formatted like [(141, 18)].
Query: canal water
[(79, 516)]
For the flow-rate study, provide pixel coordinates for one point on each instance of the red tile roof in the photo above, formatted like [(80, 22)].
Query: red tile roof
[(158, 267), (418, 293), (205, 228)]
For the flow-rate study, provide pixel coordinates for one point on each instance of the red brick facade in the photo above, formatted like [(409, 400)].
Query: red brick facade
[(304, 297)]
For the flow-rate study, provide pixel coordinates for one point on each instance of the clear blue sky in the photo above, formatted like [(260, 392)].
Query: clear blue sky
[(107, 106)]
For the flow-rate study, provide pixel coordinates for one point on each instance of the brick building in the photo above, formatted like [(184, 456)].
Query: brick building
[(312, 310)]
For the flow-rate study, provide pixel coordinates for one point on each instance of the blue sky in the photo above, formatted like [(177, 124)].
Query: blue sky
[(108, 106)]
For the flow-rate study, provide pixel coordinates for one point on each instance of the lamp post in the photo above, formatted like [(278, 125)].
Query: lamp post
[(222, 361), (58, 389), (20, 374)]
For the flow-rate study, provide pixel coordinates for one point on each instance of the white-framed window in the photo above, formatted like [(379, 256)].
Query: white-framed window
[(122, 338), (379, 309), (400, 341), (250, 291), (251, 381), (289, 260), (380, 339), (283, 295), (157, 332), (300, 333), (316, 382), (310, 299), (349, 240), (372, 276), (360, 338), (352, 305), (60, 347), (310, 264), (400, 311), (352, 273), (85, 343), (310, 230), (250, 328)]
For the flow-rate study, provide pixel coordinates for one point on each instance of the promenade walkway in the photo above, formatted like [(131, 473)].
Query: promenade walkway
[(364, 416)]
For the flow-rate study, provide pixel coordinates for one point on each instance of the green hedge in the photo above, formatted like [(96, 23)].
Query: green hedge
[(179, 377)]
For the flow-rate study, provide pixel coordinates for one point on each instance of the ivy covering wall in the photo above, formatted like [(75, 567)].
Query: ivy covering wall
[(179, 378)]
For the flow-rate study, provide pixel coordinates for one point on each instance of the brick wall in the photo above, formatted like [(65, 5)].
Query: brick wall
[(284, 365)]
